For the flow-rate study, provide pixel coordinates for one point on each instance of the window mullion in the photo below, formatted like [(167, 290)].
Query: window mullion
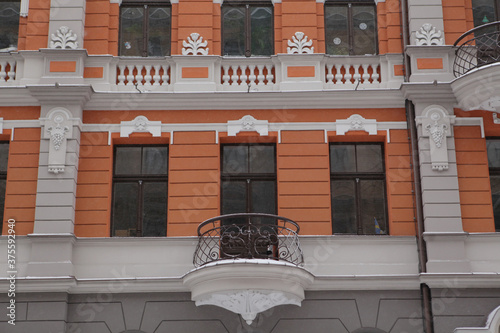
[(145, 27), (248, 31), (140, 208), (359, 226), (350, 28)]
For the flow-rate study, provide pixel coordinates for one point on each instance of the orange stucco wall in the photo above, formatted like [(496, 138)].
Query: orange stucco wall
[(457, 19), (22, 172), (303, 170)]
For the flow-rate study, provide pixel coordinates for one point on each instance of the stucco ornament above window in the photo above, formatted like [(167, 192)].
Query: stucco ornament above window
[(247, 124), (428, 35), (436, 124), (300, 44), (195, 45), (64, 38), (356, 123), (140, 124)]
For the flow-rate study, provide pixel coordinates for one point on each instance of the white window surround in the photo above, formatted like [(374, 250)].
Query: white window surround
[(119, 2), (25, 5)]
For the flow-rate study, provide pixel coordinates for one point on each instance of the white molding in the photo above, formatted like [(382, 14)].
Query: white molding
[(471, 121), (25, 6), (247, 124), (140, 124), (356, 123), (64, 39), (119, 2), (492, 324), (194, 45), (427, 35), (300, 44)]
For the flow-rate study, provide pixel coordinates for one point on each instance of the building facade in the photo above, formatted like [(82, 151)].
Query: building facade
[(250, 166)]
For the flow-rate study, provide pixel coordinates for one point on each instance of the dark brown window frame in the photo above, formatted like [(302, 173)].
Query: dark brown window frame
[(493, 171), (248, 177), (145, 35), (248, 30), (141, 179), (496, 3), (3, 176), (349, 5), (356, 176)]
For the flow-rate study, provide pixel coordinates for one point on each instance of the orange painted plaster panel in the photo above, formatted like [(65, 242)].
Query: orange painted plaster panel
[(430, 63), (93, 72), (63, 66), (195, 72), (300, 71)]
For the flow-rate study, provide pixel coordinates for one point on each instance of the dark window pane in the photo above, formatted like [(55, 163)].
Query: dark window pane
[(483, 12), (369, 158), (159, 31), (493, 148), (262, 159), (3, 183), (344, 206), (233, 30), (131, 31), (372, 210), (154, 203), (364, 30), (337, 31), (125, 210), (9, 25), (155, 160), (234, 194), (342, 158), (235, 159), (495, 197), (128, 161), (263, 196), (4, 156), (261, 25)]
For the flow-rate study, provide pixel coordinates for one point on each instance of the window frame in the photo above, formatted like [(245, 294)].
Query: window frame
[(356, 176), (350, 24), (248, 30), (493, 171), (3, 176), (141, 179), (145, 24), (248, 177), (496, 12)]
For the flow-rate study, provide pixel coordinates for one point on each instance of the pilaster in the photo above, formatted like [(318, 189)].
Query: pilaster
[(422, 12), (67, 13)]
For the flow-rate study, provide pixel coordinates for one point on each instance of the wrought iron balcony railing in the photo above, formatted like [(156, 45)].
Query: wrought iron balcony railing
[(248, 236), (476, 48)]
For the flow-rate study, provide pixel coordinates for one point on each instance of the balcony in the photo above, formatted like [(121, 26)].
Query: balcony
[(477, 48), (210, 73), (247, 264), (248, 236)]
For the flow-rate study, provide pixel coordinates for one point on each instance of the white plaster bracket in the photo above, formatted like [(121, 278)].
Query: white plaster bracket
[(64, 38), (300, 44), (195, 45), (427, 35), (25, 6), (495, 118), (140, 124), (436, 124), (356, 123), (58, 127), (249, 303), (247, 124)]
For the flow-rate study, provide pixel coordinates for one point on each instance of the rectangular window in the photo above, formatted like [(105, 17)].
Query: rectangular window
[(484, 11), (145, 28), (247, 29), (350, 28), (4, 157), (358, 188), (9, 25), (248, 179), (140, 181), (493, 148)]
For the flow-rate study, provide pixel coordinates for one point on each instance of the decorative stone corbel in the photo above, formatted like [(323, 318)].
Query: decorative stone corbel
[(24, 8), (436, 124), (356, 123), (140, 124), (194, 45), (299, 44), (249, 303), (58, 126), (427, 35), (64, 38), (247, 124)]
